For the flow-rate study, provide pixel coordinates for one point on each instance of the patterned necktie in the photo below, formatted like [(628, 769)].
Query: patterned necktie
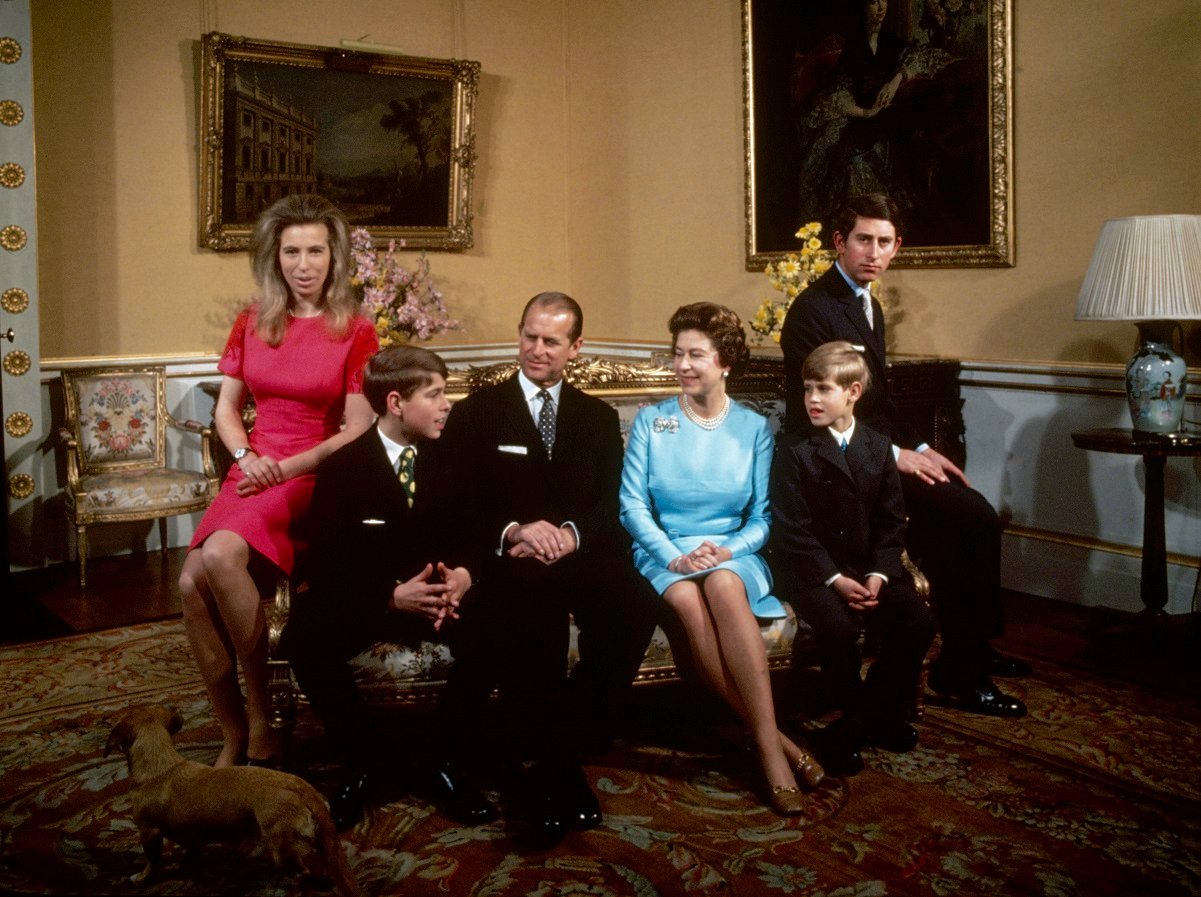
[(842, 444), (404, 473), (867, 310), (546, 421)]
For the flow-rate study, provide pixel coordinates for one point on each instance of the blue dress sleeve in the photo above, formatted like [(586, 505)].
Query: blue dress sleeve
[(757, 525), (637, 514)]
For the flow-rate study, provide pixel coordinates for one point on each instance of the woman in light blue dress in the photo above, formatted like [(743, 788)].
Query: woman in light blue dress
[(694, 496)]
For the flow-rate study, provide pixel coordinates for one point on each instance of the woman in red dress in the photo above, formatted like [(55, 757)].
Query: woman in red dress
[(299, 350)]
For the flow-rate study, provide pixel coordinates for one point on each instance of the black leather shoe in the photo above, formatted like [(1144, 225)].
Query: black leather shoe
[(347, 804), (581, 809), (985, 699), (548, 818), (837, 749), (1007, 667), (897, 737), (461, 796)]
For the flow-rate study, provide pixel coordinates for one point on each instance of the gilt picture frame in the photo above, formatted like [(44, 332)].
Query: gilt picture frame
[(924, 115), (389, 139)]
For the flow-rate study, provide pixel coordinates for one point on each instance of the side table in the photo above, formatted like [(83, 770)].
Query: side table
[(1155, 449)]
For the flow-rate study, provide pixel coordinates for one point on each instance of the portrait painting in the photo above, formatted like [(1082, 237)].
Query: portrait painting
[(905, 97), (388, 139)]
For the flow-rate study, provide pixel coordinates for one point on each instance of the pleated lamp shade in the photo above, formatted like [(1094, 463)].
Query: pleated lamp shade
[(1146, 268)]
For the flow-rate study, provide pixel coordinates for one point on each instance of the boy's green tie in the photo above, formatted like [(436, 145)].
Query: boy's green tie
[(404, 472)]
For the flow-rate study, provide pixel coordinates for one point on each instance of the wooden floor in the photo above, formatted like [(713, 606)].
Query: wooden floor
[(141, 587)]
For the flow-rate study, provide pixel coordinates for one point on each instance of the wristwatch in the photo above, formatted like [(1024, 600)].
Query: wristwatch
[(241, 453)]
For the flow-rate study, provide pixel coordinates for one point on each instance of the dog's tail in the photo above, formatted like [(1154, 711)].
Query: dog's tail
[(330, 846)]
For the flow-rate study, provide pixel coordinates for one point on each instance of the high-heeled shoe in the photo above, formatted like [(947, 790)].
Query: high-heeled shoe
[(787, 800), (809, 769)]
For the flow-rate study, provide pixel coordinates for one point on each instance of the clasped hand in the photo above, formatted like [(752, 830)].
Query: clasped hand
[(541, 540), (260, 473), (705, 556), (436, 601), (860, 596)]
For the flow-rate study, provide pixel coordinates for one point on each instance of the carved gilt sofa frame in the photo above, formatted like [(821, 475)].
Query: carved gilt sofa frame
[(396, 675)]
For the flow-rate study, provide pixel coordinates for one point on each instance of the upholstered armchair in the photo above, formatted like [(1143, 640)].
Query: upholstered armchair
[(115, 438)]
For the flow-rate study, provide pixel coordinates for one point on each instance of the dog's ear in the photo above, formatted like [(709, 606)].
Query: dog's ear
[(119, 737), (175, 723)]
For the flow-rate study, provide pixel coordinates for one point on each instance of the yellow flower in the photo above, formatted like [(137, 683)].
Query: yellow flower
[(814, 244), (790, 267)]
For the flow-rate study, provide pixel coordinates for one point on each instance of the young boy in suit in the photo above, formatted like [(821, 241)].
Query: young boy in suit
[(378, 568), (839, 523)]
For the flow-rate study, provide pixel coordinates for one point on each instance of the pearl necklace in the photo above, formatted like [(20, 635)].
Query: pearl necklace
[(706, 423)]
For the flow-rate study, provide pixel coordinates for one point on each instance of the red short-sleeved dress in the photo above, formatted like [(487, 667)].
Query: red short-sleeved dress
[(299, 389)]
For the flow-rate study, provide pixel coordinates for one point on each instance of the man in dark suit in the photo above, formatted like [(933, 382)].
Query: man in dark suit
[(954, 533), (377, 567), (537, 464), (839, 525)]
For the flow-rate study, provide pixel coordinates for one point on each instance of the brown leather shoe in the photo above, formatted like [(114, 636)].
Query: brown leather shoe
[(808, 769), (787, 800)]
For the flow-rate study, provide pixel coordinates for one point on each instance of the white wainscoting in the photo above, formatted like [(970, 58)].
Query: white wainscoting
[(1074, 518)]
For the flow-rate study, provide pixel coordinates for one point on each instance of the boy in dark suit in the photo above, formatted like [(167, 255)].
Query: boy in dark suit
[(839, 524), (377, 567)]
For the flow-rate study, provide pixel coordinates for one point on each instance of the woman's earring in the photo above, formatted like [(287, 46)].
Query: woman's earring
[(725, 374)]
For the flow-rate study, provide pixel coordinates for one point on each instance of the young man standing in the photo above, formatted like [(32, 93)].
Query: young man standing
[(954, 533)]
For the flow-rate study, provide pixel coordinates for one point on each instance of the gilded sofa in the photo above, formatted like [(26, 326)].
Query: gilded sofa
[(394, 674)]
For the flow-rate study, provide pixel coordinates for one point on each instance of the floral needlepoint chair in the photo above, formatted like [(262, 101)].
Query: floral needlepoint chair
[(115, 436)]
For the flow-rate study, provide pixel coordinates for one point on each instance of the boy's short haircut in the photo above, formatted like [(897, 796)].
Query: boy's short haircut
[(838, 361), (402, 369)]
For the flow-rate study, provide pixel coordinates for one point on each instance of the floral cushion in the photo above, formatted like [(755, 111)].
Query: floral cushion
[(117, 418), (143, 489), (391, 668)]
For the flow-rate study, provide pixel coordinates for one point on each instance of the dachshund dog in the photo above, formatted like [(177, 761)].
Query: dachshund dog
[(193, 804)]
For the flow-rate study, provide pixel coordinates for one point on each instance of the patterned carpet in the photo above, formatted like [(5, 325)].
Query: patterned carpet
[(1095, 793)]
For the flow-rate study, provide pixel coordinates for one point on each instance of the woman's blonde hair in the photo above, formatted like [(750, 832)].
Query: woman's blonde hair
[(338, 302)]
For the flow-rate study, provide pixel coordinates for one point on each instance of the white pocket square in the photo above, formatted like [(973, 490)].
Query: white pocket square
[(513, 449), (372, 521)]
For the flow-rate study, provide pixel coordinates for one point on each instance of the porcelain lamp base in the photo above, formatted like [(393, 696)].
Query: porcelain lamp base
[(1155, 380)]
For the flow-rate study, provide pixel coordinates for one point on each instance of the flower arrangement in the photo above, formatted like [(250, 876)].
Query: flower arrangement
[(405, 305), (790, 276)]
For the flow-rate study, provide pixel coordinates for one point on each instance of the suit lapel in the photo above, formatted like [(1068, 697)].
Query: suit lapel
[(825, 448), (517, 413), (852, 308), (380, 469)]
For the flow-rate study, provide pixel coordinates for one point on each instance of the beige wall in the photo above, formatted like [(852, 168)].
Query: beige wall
[(610, 141)]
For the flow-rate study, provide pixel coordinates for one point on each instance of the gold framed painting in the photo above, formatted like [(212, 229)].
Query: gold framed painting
[(912, 98), (389, 139)]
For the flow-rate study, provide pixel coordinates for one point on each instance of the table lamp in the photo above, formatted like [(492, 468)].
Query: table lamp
[(1147, 270)]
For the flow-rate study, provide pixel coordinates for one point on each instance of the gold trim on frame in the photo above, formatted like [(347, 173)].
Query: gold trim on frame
[(10, 50), (18, 424), (21, 485), (999, 252), (12, 175), (13, 238), (11, 113), (14, 301), (218, 231), (17, 362)]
